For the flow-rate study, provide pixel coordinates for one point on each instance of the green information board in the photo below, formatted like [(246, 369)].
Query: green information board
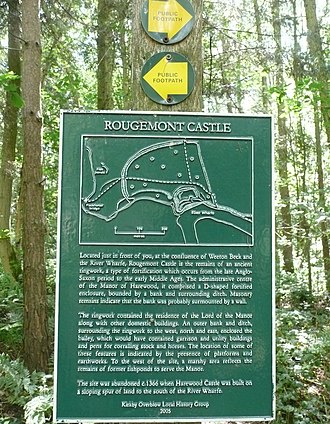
[(165, 303)]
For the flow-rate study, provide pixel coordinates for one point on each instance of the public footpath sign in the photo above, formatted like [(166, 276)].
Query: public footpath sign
[(169, 21), (165, 288), (167, 78)]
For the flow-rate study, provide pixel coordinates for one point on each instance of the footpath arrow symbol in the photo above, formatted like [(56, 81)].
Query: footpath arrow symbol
[(168, 78), (167, 16)]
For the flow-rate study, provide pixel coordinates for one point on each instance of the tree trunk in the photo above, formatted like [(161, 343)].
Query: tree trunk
[(8, 256), (124, 47), (111, 47), (143, 47), (36, 344), (304, 230), (226, 83), (282, 149), (318, 59), (257, 17), (303, 233), (322, 201), (321, 75), (105, 55)]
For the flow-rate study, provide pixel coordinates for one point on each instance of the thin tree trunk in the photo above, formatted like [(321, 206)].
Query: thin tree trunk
[(36, 343), (305, 239), (303, 234), (8, 256), (257, 17), (105, 54), (282, 149), (227, 86), (321, 75), (319, 64), (124, 47), (111, 48), (322, 201)]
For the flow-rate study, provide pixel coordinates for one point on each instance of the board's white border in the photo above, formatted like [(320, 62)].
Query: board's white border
[(273, 266), (58, 256)]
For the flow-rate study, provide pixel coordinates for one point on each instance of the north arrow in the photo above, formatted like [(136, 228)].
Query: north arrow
[(168, 78), (167, 17)]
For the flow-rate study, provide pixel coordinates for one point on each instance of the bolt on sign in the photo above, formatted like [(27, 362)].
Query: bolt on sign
[(165, 287), (167, 21), (167, 78)]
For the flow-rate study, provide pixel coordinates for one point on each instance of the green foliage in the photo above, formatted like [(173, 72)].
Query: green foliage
[(8, 82), (303, 351), (10, 420), (11, 315), (39, 409), (292, 293), (21, 393), (17, 386), (20, 388)]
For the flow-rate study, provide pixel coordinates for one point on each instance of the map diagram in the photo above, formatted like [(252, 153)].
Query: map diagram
[(154, 192)]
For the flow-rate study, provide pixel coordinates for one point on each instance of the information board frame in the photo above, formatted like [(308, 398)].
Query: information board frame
[(192, 220)]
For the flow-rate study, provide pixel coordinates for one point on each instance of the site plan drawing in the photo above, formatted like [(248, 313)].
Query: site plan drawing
[(166, 191)]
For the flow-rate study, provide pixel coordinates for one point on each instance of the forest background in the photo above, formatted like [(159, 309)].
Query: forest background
[(259, 57)]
